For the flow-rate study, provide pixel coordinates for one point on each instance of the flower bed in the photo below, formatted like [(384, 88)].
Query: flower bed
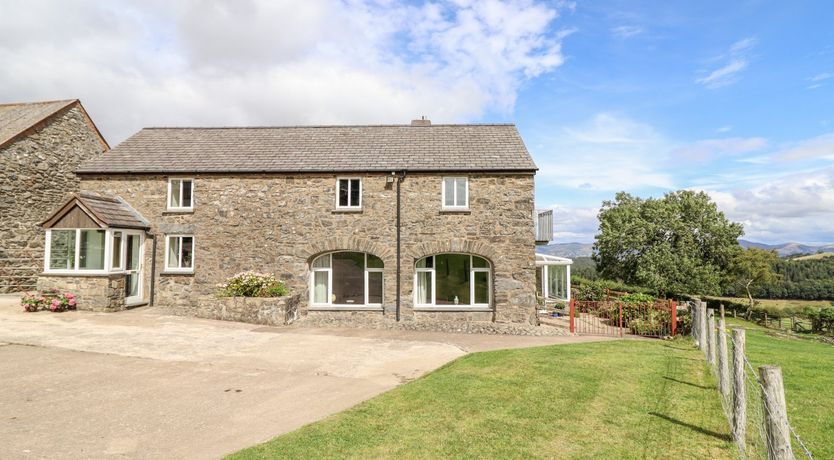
[(253, 284), (52, 300)]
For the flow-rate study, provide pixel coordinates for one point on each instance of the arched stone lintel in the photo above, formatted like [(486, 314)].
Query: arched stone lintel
[(455, 245), (316, 248)]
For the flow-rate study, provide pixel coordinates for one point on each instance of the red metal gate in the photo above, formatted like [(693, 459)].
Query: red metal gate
[(616, 318)]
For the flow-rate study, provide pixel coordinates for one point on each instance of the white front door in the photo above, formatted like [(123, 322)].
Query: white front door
[(134, 252)]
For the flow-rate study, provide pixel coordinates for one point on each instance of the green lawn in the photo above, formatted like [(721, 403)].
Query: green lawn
[(622, 399), (808, 374), (778, 303)]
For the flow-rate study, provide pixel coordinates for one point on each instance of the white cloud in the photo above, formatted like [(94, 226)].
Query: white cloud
[(574, 224), (276, 62), (724, 129), (736, 60), (818, 79), (709, 149), (793, 207), (624, 32), (606, 153), (820, 147)]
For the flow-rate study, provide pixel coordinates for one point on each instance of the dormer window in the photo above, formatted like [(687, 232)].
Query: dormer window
[(455, 193), (180, 193), (349, 193)]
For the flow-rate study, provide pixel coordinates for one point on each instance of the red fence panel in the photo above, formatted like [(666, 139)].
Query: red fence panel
[(616, 318)]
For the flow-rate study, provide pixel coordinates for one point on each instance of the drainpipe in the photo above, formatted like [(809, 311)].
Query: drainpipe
[(153, 268), (400, 179)]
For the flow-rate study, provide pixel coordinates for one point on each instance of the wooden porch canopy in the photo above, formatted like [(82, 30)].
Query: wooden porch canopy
[(88, 210)]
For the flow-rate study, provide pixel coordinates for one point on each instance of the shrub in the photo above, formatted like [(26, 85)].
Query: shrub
[(638, 298), (252, 284), (33, 302), (52, 300), (822, 320)]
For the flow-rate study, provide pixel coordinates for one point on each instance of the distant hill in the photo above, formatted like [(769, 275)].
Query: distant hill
[(788, 249), (570, 250), (574, 250), (815, 256)]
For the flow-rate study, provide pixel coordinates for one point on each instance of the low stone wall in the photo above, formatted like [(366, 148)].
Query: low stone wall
[(433, 321), (270, 311), (93, 293)]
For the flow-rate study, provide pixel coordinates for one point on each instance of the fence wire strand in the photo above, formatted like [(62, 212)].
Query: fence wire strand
[(756, 436)]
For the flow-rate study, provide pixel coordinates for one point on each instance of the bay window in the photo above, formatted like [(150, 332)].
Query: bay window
[(81, 250)]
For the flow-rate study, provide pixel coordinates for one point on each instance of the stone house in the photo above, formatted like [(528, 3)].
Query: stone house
[(414, 222), (41, 146)]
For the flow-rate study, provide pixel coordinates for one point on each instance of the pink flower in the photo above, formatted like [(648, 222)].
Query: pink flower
[(56, 302), (72, 302), (69, 296)]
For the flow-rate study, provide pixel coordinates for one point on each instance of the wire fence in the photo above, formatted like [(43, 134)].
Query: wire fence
[(755, 408)]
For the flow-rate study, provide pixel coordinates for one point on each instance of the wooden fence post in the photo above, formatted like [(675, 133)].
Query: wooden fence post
[(711, 349), (572, 314), (776, 414), (702, 327), (723, 365), (694, 315), (739, 392), (620, 308), (674, 306)]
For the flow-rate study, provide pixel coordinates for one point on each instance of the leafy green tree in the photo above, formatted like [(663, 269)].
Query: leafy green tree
[(680, 243), (754, 267)]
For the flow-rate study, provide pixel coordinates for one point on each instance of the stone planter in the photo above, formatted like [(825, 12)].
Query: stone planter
[(270, 311)]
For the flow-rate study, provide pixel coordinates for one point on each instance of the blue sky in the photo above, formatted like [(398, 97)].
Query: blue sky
[(733, 98)]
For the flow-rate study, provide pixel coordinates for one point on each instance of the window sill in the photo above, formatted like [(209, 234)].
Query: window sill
[(455, 211), (90, 274), (345, 308), (347, 211), (173, 212), (182, 273), (452, 308)]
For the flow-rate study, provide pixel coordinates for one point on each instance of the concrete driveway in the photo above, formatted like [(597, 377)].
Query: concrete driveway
[(141, 384)]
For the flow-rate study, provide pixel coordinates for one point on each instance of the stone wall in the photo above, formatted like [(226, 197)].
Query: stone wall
[(37, 172), (279, 223), (271, 311), (93, 293)]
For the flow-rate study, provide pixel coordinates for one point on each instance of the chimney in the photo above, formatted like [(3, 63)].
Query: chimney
[(421, 122)]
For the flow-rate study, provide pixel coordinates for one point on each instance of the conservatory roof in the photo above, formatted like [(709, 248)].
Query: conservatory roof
[(547, 259)]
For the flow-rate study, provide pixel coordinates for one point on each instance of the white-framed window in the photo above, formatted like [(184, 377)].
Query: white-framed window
[(452, 281), (455, 192), (180, 194), (348, 193), (78, 250), (347, 280), (117, 250), (179, 253)]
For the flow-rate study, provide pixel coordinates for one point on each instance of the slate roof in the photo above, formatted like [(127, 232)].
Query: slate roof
[(110, 211), (18, 118), (482, 147)]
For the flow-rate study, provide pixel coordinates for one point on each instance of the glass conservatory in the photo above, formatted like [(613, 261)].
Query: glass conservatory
[(553, 277)]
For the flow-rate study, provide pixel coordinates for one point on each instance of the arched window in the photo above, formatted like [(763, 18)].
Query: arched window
[(346, 279), (453, 279)]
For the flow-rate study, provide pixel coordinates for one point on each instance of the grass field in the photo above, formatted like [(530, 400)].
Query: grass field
[(620, 399), (779, 303), (815, 256), (808, 374)]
